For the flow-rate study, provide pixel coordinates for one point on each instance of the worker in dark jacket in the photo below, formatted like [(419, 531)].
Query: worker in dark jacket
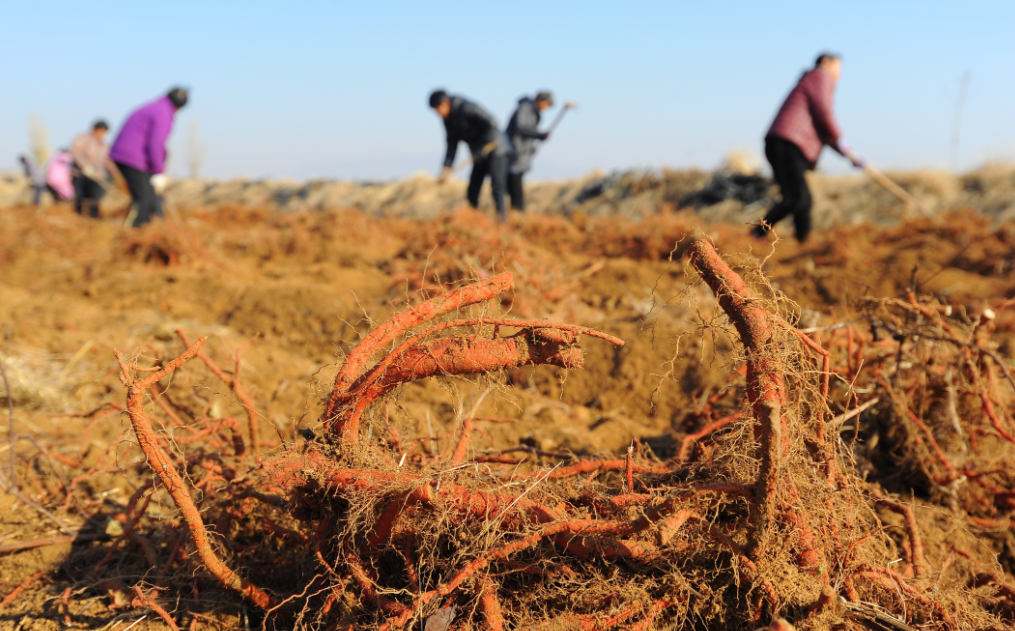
[(804, 125), (523, 132), (467, 122)]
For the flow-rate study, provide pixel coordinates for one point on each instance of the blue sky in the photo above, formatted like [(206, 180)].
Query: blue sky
[(338, 89)]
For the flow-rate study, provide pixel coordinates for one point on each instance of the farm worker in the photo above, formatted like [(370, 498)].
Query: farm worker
[(58, 176), (467, 122), (804, 125), (523, 133), (35, 178), (139, 153), (91, 168)]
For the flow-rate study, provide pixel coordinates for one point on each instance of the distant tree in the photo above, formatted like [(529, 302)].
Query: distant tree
[(197, 149), (38, 139), (957, 119)]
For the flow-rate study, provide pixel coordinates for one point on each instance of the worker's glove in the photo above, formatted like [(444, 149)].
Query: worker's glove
[(159, 182), (544, 135)]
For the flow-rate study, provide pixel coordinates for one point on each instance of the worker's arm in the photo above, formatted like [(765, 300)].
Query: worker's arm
[(452, 150), (531, 132), (846, 150), (121, 182), (819, 99), (527, 124), (819, 102), (77, 152), (158, 134)]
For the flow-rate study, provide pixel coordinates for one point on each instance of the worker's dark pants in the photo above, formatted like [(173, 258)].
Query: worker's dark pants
[(496, 166), (515, 190), (87, 193), (146, 202), (57, 197), (788, 167)]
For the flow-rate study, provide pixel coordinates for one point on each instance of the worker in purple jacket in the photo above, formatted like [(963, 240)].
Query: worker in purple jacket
[(139, 152), (804, 125)]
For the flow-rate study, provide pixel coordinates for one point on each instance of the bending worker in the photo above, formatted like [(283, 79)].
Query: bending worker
[(140, 152), (59, 180), (804, 124), (91, 169), (523, 132), (467, 122)]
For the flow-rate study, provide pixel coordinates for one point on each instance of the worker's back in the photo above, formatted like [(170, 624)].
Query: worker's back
[(58, 174), (471, 124), (141, 143), (525, 119), (806, 118)]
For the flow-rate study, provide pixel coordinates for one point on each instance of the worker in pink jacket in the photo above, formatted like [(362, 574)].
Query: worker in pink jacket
[(804, 125), (139, 151), (58, 176)]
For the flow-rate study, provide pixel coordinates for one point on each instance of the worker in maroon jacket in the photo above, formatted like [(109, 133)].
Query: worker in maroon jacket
[(805, 123)]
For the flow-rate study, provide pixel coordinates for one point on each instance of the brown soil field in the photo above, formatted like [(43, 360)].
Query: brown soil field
[(295, 291)]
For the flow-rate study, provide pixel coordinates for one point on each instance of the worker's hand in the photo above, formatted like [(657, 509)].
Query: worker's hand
[(445, 174), (544, 136), (159, 183)]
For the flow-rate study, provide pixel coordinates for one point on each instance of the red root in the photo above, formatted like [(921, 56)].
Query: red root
[(489, 606), (827, 599), (764, 377), (752, 321), (913, 530), (20, 588), (587, 466), (927, 434), (634, 531), (538, 343), (411, 318), (234, 384), (893, 583), (708, 430), (141, 599), (463, 443), (990, 578), (454, 356), (171, 479), (65, 607)]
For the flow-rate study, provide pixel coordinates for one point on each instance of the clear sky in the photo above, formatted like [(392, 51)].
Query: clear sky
[(338, 89)]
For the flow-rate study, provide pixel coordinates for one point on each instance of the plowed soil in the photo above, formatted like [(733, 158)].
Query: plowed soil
[(296, 290)]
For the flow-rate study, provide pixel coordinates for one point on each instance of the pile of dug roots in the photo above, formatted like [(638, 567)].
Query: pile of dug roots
[(762, 517)]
